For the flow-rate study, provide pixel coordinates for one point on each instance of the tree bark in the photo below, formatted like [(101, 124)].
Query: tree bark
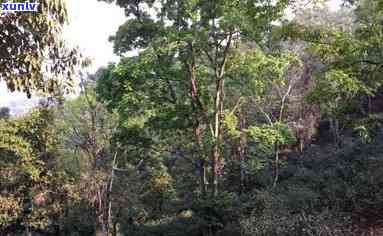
[(334, 126), (220, 70), (109, 194), (199, 116), (203, 177), (276, 165), (218, 112)]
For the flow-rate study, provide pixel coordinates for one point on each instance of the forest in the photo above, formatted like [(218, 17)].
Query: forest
[(232, 118)]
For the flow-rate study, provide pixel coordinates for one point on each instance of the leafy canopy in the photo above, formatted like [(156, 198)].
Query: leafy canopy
[(32, 54)]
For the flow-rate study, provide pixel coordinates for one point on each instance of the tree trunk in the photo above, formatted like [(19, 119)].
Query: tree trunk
[(203, 177), (198, 117), (334, 126), (242, 172), (276, 164), (109, 198), (215, 172), (217, 135)]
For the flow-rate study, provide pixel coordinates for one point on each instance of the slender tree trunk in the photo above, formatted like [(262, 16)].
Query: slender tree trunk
[(198, 117), (337, 134), (109, 198), (217, 135), (197, 127), (203, 177), (215, 173), (202, 162), (220, 68), (277, 144), (334, 126), (276, 164), (242, 173)]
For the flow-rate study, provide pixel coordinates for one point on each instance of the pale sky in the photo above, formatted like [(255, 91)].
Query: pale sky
[(91, 24)]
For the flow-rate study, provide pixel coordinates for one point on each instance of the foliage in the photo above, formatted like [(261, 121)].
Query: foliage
[(320, 195), (32, 54), (271, 134), (34, 193), (222, 124)]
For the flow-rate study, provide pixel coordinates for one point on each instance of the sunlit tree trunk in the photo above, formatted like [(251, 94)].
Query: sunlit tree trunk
[(217, 135)]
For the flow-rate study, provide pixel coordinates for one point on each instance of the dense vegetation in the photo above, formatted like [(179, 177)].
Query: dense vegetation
[(232, 119)]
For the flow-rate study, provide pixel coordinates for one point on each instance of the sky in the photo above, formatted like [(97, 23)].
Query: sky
[(91, 24)]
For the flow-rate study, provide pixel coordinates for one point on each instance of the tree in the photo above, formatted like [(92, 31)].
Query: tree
[(32, 54), (86, 130), (197, 37), (34, 192), (266, 87), (349, 74)]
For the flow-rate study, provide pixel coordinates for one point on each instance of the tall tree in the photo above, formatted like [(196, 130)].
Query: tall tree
[(199, 37), (85, 129), (33, 190)]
